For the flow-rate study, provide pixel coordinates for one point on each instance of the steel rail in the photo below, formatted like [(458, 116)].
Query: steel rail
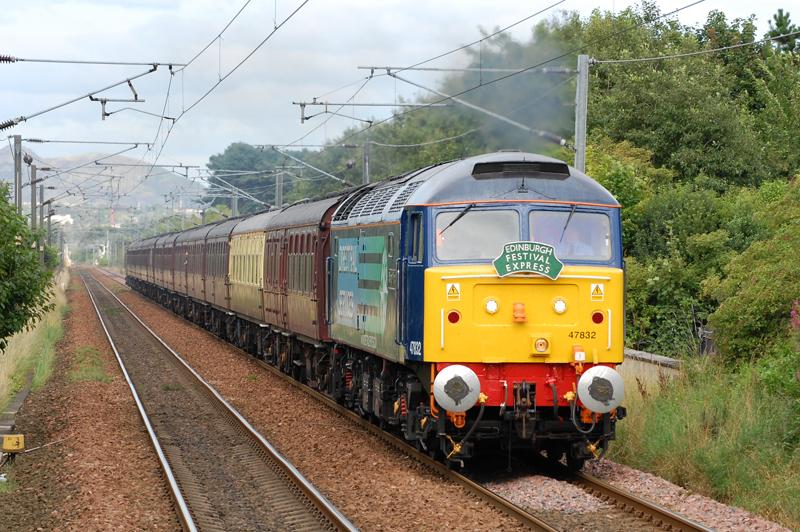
[(507, 507), (629, 502), (500, 503), (183, 510), (320, 502)]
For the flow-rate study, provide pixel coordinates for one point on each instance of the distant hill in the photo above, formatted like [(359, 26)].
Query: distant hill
[(134, 191)]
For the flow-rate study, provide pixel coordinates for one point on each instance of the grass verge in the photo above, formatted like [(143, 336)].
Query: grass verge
[(719, 433), (10, 484), (88, 366), (34, 351)]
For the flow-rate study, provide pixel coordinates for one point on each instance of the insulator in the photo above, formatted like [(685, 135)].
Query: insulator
[(9, 123), (7, 59)]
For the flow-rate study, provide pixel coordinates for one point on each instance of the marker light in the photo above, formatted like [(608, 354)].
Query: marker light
[(541, 345), (559, 306), (453, 316), (519, 313), (492, 306), (597, 317)]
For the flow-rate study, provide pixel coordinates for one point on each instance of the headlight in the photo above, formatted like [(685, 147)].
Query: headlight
[(492, 306), (559, 306), (456, 388), (601, 389)]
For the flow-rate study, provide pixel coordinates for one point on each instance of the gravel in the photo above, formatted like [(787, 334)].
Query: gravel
[(102, 474), (376, 486), (381, 489), (702, 509)]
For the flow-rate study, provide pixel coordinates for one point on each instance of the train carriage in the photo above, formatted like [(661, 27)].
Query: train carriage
[(295, 282), (246, 266), (164, 261), (218, 251), (470, 304)]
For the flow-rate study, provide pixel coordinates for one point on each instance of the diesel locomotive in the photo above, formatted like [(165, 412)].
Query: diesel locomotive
[(471, 305)]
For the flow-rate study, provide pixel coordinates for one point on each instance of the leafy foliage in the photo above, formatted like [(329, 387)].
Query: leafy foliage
[(697, 149), (24, 282), (760, 285)]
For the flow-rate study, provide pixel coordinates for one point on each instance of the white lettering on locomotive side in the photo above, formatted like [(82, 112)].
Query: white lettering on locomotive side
[(345, 305), (415, 348), (347, 258), (369, 341)]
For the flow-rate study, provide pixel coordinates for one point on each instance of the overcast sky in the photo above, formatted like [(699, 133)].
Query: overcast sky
[(315, 52)]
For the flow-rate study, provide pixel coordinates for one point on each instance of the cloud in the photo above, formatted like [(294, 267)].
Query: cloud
[(314, 53)]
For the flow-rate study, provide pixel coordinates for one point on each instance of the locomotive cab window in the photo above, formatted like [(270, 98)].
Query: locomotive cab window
[(469, 234), (415, 238), (575, 235)]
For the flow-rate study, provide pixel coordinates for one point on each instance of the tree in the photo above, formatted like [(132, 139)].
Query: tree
[(241, 157), (24, 282), (781, 24)]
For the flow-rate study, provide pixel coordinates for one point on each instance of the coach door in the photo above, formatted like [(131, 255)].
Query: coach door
[(283, 299)]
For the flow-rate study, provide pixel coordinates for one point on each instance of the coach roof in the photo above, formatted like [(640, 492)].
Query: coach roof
[(194, 234), (303, 213), (223, 229), (254, 223)]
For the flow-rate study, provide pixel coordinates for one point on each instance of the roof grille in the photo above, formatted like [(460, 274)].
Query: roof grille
[(402, 198), (374, 202), (496, 170), (343, 212)]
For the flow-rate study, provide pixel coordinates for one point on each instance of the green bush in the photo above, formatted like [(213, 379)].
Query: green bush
[(722, 433), (24, 282), (756, 295)]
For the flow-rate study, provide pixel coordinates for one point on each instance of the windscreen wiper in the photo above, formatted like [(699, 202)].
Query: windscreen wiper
[(564, 230), (464, 211)]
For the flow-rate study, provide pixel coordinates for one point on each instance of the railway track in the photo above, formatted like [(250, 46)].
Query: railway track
[(222, 474), (646, 511), (656, 515), (642, 508)]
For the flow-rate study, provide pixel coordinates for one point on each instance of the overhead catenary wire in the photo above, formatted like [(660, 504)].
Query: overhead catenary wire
[(58, 141), (12, 59), (428, 143), (439, 56), (691, 54), (222, 78), (219, 35), (516, 73), (14, 121)]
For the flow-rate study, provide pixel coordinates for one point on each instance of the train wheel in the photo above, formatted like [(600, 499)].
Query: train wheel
[(554, 452), (575, 464)]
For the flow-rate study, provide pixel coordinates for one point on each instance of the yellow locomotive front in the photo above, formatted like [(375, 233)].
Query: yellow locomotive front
[(523, 305)]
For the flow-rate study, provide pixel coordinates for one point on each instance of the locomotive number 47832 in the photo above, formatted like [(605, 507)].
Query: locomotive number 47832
[(583, 335)]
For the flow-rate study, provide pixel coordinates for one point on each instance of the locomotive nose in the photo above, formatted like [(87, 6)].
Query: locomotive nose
[(601, 389), (456, 388)]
